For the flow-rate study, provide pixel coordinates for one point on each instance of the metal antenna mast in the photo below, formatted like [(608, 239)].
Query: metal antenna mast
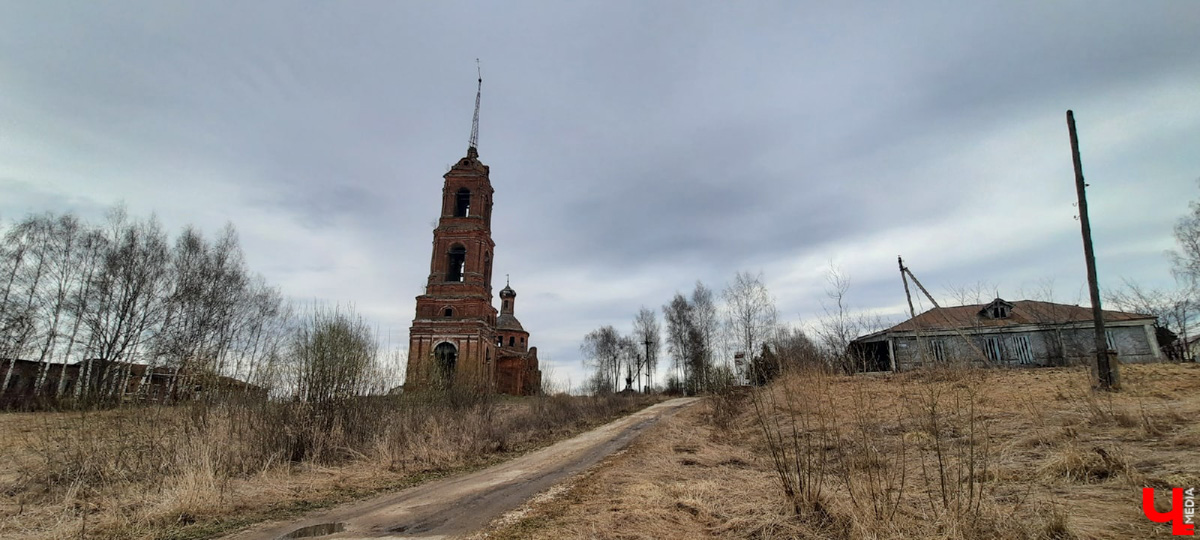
[(474, 144)]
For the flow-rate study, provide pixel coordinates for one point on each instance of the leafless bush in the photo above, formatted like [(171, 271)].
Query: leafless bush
[(874, 475), (956, 450), (798, 431)]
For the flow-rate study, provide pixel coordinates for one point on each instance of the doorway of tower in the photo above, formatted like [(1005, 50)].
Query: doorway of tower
[(445, 357)]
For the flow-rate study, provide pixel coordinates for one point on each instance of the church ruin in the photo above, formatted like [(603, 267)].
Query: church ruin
[(456, 338)]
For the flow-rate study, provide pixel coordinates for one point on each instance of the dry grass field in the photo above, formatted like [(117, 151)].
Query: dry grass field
[(199, 471), (1031, 453)]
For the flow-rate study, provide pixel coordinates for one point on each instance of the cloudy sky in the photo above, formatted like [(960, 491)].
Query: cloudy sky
[(635, 147)]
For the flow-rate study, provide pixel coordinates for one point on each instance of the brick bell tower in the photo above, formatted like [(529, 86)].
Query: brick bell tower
[(452, 339)]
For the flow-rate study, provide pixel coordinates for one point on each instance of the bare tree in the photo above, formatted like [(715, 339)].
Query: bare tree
[(602, 351), (692, 327), (707, 321), (630, 360), (126, 300), (751, 316), (1186, 258), (111, 296), (980, 292), (795, 350), (838, 327), (647, 334), (1174, 310), (333, 354), (28, 242), (65, 234)]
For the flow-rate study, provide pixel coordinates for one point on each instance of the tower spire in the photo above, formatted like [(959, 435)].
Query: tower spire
[(474, 143)]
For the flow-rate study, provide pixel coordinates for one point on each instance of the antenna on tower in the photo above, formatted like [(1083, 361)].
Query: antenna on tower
[(474, 143)]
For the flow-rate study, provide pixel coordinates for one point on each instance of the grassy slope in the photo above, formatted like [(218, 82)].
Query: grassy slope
[(102, 475), (1053, 460)]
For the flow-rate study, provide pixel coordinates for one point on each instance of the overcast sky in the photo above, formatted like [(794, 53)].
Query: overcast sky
[(635, 147)]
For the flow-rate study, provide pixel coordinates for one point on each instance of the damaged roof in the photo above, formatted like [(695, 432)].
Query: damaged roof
[(1023, 312)]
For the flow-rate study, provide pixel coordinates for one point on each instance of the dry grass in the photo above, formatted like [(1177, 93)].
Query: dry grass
[(1024, 454), (196, 471)]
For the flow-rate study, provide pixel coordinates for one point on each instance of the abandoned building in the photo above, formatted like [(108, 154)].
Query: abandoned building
[(456, 338), (1000, 333), (119, 381)]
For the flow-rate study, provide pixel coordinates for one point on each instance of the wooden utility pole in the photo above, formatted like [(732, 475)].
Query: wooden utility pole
[(912, 311), (1108, 377), (648, 374)]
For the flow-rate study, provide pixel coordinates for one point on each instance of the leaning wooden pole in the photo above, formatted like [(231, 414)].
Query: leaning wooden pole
[(913, 312), (978, 353), (1106, 367)]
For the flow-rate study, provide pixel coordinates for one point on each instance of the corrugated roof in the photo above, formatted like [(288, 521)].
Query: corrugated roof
[(1023, 312)]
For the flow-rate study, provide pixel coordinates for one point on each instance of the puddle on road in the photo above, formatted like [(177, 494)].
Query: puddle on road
[(313, 531)]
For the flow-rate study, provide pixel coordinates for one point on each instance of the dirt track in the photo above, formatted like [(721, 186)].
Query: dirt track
[(464, 504)]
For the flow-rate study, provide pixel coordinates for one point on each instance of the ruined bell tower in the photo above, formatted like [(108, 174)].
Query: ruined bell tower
[(454, 339)]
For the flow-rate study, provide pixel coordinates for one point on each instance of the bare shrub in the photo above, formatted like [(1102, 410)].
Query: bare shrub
[(796, 419), (957, 453), (875, 476)]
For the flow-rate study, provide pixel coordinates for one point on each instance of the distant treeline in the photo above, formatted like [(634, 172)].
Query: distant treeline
[(121, 300), (734, 337)]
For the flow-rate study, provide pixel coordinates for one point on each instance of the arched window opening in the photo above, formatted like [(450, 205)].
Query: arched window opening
[(522, 341), (506, 305), (462, 203), (445, 357), (456, 263), (487, 268), (449, 312), (500, 341), (511, 341)]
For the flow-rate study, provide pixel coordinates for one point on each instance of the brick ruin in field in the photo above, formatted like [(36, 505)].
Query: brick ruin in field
[(457, 338)]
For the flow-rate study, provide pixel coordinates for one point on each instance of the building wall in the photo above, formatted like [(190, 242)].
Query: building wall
[(1046, 346)]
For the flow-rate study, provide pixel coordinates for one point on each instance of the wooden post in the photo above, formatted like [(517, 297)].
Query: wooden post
[(912, 311), (1106, 368), (647, 343)]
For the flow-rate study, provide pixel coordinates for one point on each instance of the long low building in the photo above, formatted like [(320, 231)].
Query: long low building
[(1024, 332), (32, 384)]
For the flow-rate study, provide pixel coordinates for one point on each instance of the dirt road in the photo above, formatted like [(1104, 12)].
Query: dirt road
[(460, 505)]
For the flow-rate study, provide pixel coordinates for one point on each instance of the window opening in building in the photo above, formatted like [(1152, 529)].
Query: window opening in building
[(1018, 348), (1110, 340), (991, 348), (448, 313), (456, 264), (511, 341), (937, 350), (462, 203)]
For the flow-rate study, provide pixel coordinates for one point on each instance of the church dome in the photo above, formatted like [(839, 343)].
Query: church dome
[(507, 292)]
